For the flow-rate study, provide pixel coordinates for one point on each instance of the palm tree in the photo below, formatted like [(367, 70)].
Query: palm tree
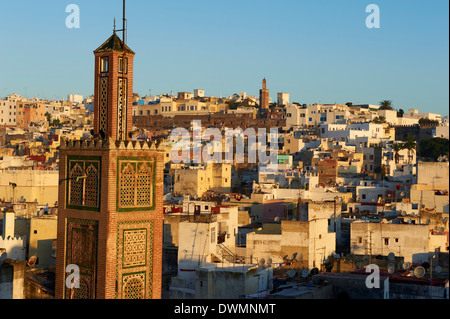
[(379, 120), (397, 148), (386, 105), (411, 146)]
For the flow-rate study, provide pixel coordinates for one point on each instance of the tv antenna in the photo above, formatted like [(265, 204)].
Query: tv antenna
[(124, 27)]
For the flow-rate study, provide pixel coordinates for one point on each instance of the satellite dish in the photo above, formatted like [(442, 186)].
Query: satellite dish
[(391, 256), (269, 262), (305, 273), (32, 261), (438, 269), (419, 272), (406, 265), (3, 256), (299, 257), (262, 261), (391, 268), (292, 257), (291, 273)]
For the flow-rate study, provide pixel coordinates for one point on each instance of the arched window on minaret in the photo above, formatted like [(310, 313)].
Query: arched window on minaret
[(76, 186)]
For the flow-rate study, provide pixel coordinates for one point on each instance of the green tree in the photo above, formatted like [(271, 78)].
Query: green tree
[(397, 148), (411, 146), (386, 105), (434, 148), (49, 117), (428, 122), (379, 120), (55, 123)]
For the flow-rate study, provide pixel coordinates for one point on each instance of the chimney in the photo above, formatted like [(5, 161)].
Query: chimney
[(8, 224)]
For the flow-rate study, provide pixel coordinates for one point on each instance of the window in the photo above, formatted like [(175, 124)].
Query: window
[(123, 65), (83, 183), (359, 240), (135, 184), (396, 240), (104, 65), (386, 241)]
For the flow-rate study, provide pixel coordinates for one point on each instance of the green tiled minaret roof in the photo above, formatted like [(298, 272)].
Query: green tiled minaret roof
[(114, 43)]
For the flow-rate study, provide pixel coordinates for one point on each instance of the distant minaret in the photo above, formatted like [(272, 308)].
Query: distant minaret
[(264, 96)]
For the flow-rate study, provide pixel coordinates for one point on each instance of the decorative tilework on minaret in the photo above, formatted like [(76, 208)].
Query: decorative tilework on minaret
[(113, 89), (110, 212)]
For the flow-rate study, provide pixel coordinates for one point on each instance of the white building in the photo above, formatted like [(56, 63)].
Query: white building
[(310, 240), (8, 109), (441, 131), (74, 98), (15, 246), (283, 98), (199, 93), (414, 113), (316, 114), (350, 133), (413, 242)]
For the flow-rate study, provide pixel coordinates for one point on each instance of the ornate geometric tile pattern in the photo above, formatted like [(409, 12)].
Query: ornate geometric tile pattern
[(103, 105), (91, 186), (134, 263), (134, 286), (122, 91), (134, 248), (144, 185), (136, 184), (81, 250), (83, 183), (76, 187)]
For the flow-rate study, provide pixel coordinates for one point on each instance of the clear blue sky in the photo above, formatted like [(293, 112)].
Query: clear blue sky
[(319, 51)]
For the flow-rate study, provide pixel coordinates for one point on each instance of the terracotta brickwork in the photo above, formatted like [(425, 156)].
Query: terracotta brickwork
[(113, 76), (110, 211), (109, 270)]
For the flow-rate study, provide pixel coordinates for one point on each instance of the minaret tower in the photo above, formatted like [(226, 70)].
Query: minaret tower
[(110, 212), (264, 96)]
